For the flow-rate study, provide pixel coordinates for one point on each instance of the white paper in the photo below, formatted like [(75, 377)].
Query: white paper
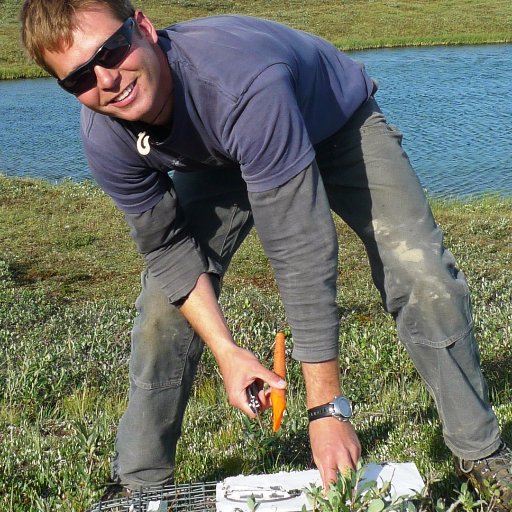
[(404, 478), (157, 506)]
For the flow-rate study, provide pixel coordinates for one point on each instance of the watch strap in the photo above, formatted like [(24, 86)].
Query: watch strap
[(321, 411)]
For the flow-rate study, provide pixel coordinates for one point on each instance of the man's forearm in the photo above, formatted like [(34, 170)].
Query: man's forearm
[(203, 312), (238, 366), (322, 382)]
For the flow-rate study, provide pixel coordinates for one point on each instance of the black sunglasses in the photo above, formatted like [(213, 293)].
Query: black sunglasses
[(110, 54)]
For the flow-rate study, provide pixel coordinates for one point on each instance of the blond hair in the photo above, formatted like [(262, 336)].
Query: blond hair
[(48, 25)]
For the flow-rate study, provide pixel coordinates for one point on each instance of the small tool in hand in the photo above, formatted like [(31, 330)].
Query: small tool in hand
[(254, 402)]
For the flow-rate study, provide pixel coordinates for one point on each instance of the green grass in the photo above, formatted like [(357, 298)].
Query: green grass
[(68, 277), (350, 24)]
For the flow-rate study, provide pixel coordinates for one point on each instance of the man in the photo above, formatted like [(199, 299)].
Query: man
[(268, 126)]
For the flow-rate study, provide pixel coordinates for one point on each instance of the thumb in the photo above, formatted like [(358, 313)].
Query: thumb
[(273, 380)]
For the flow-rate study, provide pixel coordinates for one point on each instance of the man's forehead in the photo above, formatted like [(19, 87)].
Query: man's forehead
[(90, 28)]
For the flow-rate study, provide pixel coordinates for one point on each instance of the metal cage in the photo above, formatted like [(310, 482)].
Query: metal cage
[(193, 497)]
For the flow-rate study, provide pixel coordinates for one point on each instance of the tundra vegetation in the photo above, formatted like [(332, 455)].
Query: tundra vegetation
[(69, 275)]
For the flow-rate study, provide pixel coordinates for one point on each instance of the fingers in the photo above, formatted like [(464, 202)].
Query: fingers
[(329, 473), (261, 390), (335, 448), (264, 397), (271, 378), (240, 371)]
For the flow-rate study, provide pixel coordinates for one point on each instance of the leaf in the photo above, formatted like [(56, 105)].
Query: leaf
[(440, 506), (386, 487), (376, 506), (411, 507), (251, 503)]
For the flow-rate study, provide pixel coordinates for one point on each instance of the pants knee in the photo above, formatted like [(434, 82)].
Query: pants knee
[(436, 312)]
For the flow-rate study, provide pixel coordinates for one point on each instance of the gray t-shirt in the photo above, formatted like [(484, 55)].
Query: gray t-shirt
[(250, 94)]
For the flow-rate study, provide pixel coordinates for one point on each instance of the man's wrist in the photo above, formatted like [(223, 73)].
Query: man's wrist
[(339, 407), (322, 382)]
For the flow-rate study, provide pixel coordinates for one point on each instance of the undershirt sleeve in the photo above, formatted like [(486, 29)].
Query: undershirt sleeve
[(171, 254), (297, 232)]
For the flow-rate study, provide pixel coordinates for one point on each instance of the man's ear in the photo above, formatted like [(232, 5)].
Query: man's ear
[(145, 26)]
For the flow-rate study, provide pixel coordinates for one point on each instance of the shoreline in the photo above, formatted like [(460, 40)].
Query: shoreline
[(29, 71), (444, 199)]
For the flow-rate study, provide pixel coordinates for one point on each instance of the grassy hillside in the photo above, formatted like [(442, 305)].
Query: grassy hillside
[(350, 24)]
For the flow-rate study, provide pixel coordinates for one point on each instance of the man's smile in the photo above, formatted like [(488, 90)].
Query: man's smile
[(124, 95)]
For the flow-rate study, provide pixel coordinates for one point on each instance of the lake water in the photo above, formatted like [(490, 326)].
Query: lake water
[(453, 105)]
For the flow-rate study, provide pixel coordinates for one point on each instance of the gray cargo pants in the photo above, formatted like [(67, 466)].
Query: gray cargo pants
[(371, 185)]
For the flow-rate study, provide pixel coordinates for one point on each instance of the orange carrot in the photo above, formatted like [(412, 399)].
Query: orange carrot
[(278, 396)]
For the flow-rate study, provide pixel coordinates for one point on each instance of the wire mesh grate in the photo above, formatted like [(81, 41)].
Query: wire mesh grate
[(193, 497)]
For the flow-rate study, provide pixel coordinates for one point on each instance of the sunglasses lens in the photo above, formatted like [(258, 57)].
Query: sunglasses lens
[(111, 57), (80, 82)]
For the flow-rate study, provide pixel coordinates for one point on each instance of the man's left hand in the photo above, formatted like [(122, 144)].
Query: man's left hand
[(335, 447)]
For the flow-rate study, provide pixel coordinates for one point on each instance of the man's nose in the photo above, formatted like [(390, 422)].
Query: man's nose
[(107, 78)]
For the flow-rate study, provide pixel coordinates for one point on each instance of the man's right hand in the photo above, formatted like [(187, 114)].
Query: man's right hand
[(240, 368)]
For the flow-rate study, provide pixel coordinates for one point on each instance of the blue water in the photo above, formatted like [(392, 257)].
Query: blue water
[(39, 130), (453, 105)]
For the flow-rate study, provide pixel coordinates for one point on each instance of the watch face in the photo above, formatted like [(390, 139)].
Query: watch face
[(342, 407)]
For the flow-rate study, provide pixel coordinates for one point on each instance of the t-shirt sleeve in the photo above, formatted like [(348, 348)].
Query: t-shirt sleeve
[(132, 181), (150, 204), (266, 132)]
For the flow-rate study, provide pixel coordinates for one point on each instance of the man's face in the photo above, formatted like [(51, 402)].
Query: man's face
[(139, 88)]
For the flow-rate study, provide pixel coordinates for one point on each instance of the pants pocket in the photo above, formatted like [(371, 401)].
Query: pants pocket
[(162, 340)]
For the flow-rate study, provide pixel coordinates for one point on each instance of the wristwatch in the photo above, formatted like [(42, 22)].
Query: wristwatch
[(340, 408)]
